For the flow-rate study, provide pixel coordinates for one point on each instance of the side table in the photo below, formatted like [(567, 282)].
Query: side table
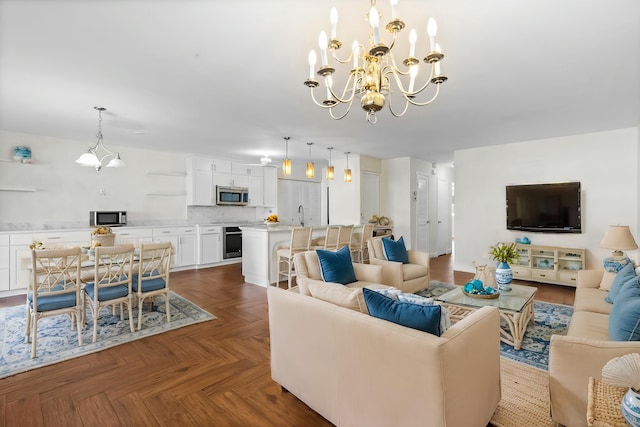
[(603, 404)]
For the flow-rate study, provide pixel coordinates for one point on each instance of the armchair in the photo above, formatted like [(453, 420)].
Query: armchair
[(308, 267), (410, 277)]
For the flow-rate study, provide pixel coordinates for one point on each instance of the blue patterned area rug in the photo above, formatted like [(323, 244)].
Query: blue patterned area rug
[(57, 342), (549, 319)]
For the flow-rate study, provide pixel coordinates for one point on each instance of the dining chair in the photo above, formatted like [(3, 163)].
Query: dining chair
[(54, 289), (300, 242), (112, 282), (152, 276), (359, 250)]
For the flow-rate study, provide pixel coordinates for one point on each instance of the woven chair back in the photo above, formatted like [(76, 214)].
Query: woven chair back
[(300, 239)]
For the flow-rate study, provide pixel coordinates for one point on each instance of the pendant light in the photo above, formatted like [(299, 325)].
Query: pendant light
[(311, 170), (286, 163), (347, 171), (90, 158), (330, 167)]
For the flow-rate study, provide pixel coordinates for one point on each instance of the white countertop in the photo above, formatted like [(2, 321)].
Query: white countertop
[(6, 228)]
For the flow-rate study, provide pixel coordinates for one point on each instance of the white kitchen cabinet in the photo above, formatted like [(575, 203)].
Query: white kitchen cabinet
[(209, 244), (270, 187), (19, 252), (203, 174), (4, 262), (256, 190), (200, 188), (134, 236), (168, 234), (187, 246)]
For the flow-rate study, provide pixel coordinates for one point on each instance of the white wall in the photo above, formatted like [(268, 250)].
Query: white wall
[(606, 163), (66, 192), (396, 198), (344, 206)]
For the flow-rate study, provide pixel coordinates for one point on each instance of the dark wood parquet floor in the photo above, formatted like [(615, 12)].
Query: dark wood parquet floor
[(210, 374)]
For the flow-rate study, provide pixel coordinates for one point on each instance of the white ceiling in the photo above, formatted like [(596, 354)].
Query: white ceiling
[(226, 77)]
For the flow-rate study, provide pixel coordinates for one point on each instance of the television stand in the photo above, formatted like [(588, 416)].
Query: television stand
[(549, 264)]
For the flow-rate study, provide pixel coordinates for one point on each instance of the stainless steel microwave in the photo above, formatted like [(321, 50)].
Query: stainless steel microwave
[(108, 218), (232, 196)]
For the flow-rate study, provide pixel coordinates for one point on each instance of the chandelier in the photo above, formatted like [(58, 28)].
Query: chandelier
[(90, 158), (374, 68)]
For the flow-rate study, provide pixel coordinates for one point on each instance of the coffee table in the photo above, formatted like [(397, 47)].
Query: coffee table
[(516, 308)]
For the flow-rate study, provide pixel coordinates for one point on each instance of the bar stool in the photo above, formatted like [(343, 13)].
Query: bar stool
[(300, 242), (344, 236), (359, 247), (330, 241)]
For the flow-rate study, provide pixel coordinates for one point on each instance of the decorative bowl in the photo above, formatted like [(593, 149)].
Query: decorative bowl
[(482, 296)]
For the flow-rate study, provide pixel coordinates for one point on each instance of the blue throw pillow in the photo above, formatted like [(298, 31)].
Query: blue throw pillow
[(336, 266), (421, 317), (395, 250), (622, 277), (624, 319)]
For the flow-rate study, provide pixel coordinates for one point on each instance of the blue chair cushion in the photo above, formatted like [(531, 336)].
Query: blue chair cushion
[(623, 276), (395, 250), (150, 284), (624, 320), (421, 317), (336, 266), (53, 302), (107, 294)]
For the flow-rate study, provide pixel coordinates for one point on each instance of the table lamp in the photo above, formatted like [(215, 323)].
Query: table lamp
[(618, 238)]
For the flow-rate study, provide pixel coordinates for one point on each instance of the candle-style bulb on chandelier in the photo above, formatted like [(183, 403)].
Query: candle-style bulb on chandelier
[(374, 68)]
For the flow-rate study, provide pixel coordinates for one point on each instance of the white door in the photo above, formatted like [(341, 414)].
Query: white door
[(370, 190), (444, 216), (422, 212)]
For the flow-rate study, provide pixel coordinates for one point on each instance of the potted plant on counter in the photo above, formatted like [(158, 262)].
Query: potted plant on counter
[(505, 254)]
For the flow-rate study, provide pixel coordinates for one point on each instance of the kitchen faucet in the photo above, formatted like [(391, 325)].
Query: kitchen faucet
[(301, 215)]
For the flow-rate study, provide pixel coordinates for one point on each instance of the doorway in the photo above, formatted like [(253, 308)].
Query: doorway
[(422, 212)]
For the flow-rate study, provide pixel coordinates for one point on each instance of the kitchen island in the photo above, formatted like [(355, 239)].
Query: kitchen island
[(259, 245)]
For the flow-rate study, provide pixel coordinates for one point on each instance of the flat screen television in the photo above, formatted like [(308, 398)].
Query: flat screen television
[(552, 208)]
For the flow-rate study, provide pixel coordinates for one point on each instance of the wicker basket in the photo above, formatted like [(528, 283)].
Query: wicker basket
[(103, 239)]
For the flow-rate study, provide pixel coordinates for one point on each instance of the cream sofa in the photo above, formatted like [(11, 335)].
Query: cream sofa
[(358, 370), (411, 277), (582, 352)]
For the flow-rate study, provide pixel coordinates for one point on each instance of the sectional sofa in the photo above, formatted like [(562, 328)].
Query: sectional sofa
[(583, 352)]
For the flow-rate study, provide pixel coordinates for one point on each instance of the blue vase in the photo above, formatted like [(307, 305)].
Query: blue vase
[(631, 408), (504, 276)]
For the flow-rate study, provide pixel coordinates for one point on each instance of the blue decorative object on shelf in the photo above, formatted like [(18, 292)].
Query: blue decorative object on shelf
[(504, 276), (518, 240), (22, 154), (525, 240)]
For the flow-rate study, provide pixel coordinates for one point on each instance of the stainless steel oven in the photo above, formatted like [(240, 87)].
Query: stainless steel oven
[(231, 242)]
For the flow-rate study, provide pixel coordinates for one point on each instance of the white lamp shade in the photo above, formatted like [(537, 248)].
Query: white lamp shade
[(116, 162), (88, 159)]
